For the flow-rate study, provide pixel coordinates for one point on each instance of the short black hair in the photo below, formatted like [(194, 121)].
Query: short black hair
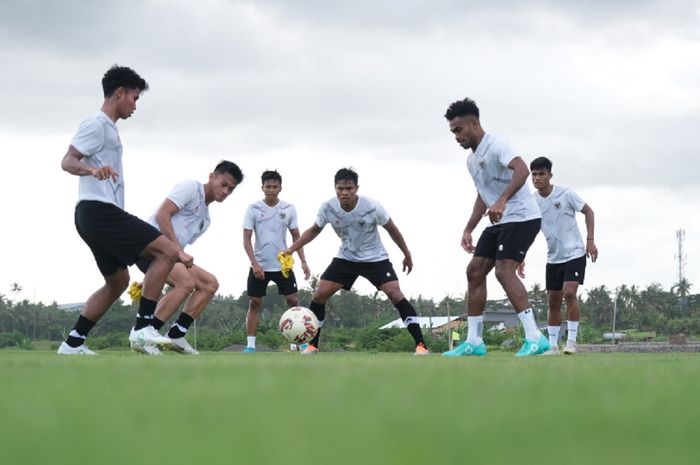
[(541, 163), (271, 176), (231, 168), (122, 76), (464, 107), (346, 174)]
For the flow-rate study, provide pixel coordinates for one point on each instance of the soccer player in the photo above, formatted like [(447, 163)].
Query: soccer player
[(183, 217), (355, 220), (499, 175), (269, 219), (566, 252), (115, 237)]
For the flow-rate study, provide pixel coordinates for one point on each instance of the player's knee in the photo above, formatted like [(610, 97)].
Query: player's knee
[(209, 285), (474, 274), (292, 300), (504, 274), (254, 304), (570, 297), (118, 283), (187, 286), (394, 294), (213, 284)]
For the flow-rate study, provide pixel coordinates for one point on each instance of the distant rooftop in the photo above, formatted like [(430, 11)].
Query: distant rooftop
[(73, 306)]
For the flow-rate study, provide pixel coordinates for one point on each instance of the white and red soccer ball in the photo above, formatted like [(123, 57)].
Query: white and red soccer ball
[(298, 324)]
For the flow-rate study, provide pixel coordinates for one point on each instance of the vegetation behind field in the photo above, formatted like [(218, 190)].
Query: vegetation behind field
[(352, 320)]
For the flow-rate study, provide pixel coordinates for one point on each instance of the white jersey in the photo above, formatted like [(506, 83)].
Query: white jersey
[(356, 229), (488, 166), (97, 139), (270, 225), (192, 219), (559, 226)]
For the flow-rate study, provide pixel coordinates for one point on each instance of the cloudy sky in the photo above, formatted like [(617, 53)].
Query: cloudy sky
[(607, 89)]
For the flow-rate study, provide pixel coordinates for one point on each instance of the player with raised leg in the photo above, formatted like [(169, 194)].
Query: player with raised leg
[(269, 219), (183, 217), (499, 175), (355, 220), (115, 237), (566, 252)]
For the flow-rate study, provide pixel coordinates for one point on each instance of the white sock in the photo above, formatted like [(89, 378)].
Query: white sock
[(527, 318), (475, 329), (572, 327), (553, 332), (251, 341)]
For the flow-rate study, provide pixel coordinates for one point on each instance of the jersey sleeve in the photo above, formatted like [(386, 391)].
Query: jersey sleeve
[(381, 215), (90, 137), (574, 200), (183, 193), (293, 222), (249, 218), (504, 151), (322, 217)]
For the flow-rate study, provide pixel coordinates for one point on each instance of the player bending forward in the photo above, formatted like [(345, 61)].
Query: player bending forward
[(115, 237), (566, 252), (355, 220), (183, 218)]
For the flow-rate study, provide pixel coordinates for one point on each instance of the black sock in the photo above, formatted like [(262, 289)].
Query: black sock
[(144, 317), (407, 313), (80, 331), (320, 312), (156, 323), (183, 323)]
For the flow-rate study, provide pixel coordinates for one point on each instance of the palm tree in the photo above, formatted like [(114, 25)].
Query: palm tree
[(682, 289)]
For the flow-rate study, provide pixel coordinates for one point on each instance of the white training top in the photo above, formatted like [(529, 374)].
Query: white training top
[(98, 140), (192, 219), (270, 225), (356, 229), (488, 166), (559, 226)]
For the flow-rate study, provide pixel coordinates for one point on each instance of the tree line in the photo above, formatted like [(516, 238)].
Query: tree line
[(352, 319)]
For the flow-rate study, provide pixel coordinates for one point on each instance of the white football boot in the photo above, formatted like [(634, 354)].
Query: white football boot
[(65, 349), (180, 345)]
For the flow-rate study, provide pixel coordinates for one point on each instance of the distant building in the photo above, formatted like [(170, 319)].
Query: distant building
[(439, 324), (74, 307)]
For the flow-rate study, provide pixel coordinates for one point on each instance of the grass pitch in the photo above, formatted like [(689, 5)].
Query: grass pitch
[(279, 408)]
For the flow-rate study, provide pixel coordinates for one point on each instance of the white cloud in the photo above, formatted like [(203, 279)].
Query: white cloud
[(606, 89)]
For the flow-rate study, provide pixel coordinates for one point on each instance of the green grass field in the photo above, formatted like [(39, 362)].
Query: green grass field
[(279, 408)]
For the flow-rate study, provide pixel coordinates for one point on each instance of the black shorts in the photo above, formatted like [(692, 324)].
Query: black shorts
[(558, 273), (509, 241), (346, 272), (115, 237), (258, 287)]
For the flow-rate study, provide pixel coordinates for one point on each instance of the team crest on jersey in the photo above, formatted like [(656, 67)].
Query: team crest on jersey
[(557, 204), (482, 162), (361, 222), (283, 215)]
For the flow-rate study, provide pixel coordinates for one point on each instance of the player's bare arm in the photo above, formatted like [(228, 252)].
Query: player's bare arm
[(72, 163), (164, 215), (398, 239), (306, 237), (304, 267), (258, 272), (478, 212), (591, 248), (520, 175)]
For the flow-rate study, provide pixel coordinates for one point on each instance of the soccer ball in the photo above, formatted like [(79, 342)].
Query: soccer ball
[(298, 324)]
